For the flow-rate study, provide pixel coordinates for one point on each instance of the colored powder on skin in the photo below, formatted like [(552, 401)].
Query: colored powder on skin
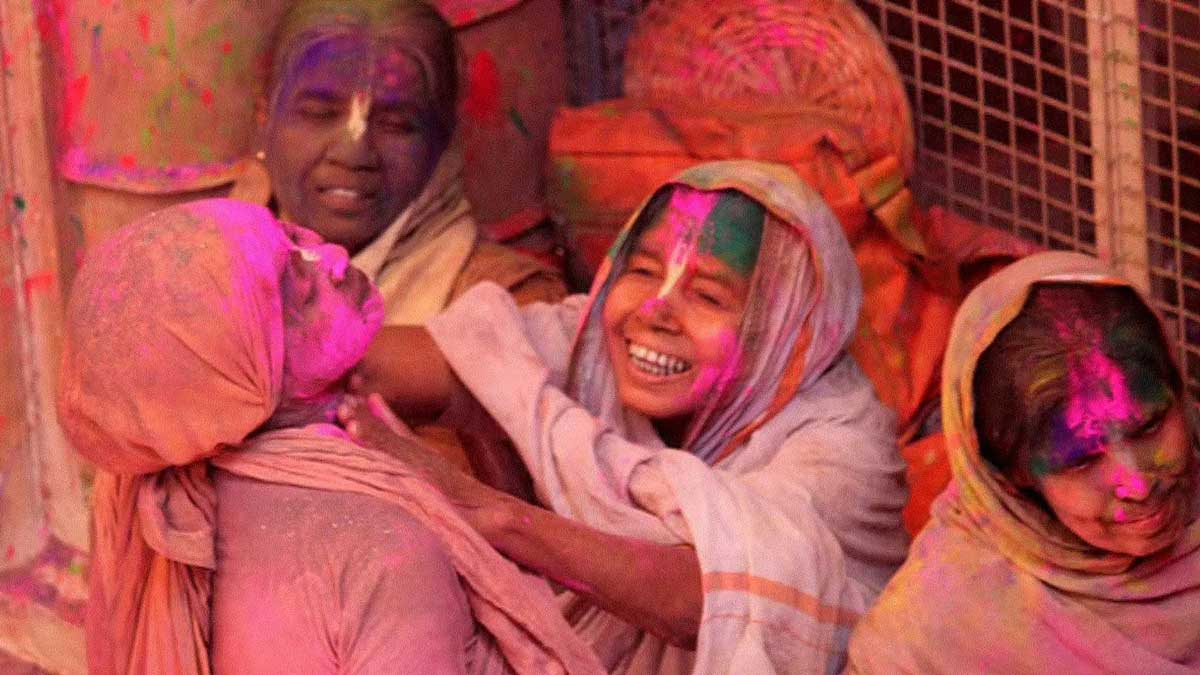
[(685, 218), (735, 226), (1099, 395), (18, 202), (207, 97), (713, 379)]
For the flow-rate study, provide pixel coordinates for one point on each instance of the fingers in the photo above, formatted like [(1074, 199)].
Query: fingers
[(348, 409), (380, 409)]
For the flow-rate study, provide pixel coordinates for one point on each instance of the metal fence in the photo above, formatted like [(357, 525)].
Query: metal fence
[(1072, 123)]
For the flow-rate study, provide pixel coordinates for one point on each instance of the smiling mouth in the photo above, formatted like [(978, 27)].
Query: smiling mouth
[(345, 199), (655, 363)]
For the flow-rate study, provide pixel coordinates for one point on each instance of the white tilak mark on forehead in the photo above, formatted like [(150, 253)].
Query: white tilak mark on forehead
[(360, 109)]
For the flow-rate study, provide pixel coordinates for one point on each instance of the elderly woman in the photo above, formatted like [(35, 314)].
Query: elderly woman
[(1068, 540), (359, 144), (236, 530), (722, 487)]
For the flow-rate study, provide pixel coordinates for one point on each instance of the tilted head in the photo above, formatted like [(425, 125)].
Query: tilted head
[(1079, 404), (195, 325)]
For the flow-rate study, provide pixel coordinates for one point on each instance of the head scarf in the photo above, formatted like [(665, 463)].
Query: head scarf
[(995, 582), (417, 258), (801, 311), (173, 354)]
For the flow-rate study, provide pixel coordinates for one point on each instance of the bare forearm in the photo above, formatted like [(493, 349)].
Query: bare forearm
[(405, 366), (652, 586)]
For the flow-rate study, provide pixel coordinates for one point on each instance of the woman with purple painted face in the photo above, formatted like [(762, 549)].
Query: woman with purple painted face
[(359, 142), (719, 488), (1069, 538)]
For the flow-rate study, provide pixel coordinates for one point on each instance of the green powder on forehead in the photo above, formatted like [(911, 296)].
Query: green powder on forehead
[(733, 231)]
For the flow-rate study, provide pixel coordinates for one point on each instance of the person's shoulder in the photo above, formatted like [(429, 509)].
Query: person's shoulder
[(527, 279)]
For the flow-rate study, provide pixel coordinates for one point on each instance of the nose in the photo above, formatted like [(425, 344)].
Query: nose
[(1130, 481), (351, 147), (659, 310)]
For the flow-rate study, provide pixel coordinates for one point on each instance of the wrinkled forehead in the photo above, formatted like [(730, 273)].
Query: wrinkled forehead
[(343, 64)]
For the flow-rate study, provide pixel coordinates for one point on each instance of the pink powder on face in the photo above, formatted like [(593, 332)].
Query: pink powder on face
[(685, 219), (1099, 396), (713, 379)]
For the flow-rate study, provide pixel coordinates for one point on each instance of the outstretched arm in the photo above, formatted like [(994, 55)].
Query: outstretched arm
[(406, 368), (652, 586)]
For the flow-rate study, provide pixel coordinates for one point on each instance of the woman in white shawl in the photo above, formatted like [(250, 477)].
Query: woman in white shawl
[(722, 490)]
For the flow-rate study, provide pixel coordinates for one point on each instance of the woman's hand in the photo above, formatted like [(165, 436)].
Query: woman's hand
[(372, 424)]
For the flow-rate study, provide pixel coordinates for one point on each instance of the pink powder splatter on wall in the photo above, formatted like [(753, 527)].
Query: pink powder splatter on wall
[(73, 101), (143, 21), (482, 103), (39, 281)]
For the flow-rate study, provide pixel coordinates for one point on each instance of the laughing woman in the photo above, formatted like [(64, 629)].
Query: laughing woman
[(722, 489), (1068, 540)]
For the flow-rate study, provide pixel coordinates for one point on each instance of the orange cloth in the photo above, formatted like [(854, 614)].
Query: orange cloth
[(173, 355)]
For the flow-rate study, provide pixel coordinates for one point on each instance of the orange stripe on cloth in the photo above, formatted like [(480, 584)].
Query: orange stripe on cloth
[(781, 593)]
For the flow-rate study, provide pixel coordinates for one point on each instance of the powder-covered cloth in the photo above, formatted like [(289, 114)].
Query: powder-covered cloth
[(791, 487), (995, 583), (173, 355), (313, 581)]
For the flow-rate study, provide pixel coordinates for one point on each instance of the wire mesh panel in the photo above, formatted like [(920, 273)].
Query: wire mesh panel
[(1169, 73), (1001, 107)]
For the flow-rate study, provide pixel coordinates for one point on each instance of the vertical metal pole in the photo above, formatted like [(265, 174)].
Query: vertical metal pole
[(1115, 99)]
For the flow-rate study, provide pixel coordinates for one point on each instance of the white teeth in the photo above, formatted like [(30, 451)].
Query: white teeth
[(344, 192), (656, 363)]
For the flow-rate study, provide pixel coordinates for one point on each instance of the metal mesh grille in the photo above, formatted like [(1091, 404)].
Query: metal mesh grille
[(1001, 101), (1000, 92), (1169, 73)]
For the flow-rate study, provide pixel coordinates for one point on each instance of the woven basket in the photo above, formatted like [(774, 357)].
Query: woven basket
[(822, 54)]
